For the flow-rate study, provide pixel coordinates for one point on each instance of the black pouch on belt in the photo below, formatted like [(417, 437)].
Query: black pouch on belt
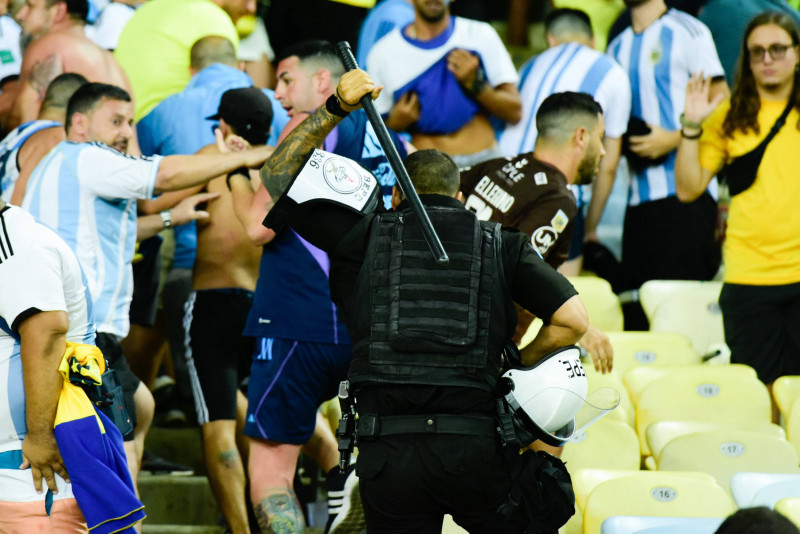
[(741, 172), (544, 490), (109, 399)]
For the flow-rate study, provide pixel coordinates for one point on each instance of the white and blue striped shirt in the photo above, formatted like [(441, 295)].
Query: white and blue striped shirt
[(87, 193), (9, 150), (659, 62), (568, 67)]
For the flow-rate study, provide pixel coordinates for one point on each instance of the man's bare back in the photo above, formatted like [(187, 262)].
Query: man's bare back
[(225, 255), (48, 56)]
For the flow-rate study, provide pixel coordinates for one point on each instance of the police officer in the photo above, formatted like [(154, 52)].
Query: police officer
[(427, 340)]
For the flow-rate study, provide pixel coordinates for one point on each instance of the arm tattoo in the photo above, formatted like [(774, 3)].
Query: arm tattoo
[(229, 458), (42, 73), (279, 512), (288, 158)]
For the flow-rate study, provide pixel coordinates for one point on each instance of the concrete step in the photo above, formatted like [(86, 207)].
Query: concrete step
[(180, 529), (180, 504), (180, 445), (175, 500)]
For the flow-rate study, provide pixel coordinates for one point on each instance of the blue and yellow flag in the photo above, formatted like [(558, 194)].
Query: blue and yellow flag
[(91, 447)]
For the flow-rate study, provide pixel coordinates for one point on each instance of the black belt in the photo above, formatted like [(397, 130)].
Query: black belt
[(372, 425)]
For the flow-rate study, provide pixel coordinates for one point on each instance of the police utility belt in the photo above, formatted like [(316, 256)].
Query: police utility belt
[(370, 426)]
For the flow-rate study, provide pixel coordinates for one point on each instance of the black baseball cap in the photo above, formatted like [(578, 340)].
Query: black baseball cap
[(248, 111)]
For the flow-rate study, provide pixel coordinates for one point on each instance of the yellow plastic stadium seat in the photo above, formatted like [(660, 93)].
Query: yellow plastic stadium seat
[(605, 311), (629, 524), (531, 332), (789, 507), (625, 411), (607, 444), (684, 306), (660, 433), (721, 453), (449, 526), (638, 378), (793, 425), (654, 493), (701, 393), (585, 480), (786, 390), (763, 489), (634, 349)]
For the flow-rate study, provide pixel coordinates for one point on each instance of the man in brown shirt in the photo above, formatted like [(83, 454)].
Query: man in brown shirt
[(530, 191)]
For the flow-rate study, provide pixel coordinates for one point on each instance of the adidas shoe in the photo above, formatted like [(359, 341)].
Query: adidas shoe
[(345, 514), (156, 465)]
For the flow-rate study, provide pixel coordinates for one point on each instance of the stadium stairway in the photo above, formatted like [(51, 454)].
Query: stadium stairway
[(178, 504), (181, 504)]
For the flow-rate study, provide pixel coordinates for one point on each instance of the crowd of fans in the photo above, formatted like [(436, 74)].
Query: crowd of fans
[(135, 131)]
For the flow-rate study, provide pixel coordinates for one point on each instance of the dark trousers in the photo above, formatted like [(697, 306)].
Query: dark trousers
[(762, 327), (408, 483), (670, 240)]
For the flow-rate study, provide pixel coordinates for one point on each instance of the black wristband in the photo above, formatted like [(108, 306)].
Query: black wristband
[(334, 107), (243, 171), (686, 123), (479, 83), (693, 136)]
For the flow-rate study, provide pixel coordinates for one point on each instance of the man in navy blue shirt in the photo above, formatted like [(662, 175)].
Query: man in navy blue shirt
[(302, 350)]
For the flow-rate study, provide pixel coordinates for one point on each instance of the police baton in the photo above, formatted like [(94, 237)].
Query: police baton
[(434, 243)]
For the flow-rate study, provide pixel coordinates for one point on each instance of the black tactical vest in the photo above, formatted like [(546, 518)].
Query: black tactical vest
[(414, 322)]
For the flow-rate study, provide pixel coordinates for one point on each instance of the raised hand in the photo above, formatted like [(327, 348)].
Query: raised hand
[(698, 106), (352, 86)]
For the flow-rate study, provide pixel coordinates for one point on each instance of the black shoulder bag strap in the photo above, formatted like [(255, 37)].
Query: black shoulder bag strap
[(741, 172)]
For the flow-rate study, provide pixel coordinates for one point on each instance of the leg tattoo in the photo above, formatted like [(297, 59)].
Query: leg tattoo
[(279, 512)]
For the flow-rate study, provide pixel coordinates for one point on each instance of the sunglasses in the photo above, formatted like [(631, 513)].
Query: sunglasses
[(776, 52)]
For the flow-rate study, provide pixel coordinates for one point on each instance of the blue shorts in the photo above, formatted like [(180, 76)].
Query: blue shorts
[(288, 381)]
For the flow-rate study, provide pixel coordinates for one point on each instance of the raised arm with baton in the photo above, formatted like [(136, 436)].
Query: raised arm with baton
[(403, 180), (297, 158)]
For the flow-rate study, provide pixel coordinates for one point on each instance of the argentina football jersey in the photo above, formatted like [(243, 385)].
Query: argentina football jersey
[(659, 62)]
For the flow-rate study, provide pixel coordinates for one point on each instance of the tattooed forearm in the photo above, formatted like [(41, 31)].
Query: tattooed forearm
[(288, 158), (229, 458), (43, 72), (279, 512)]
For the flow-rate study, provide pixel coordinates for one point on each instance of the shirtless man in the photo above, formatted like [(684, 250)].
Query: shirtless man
[(18, 156), (59, 45), (444, 77), (223, 281)]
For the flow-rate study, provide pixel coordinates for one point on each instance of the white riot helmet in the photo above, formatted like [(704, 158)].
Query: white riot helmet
[(546, 398)]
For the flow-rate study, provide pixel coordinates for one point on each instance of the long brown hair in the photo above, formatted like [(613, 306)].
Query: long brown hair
[(745, 102)]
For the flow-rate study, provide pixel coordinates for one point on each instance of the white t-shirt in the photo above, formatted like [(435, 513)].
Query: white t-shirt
[(38, 271), (257, 43), (87, 193), (402, 64), (10, 53), (107, 28)]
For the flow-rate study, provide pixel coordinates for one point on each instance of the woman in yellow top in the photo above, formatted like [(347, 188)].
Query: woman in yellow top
[(760, 299)]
